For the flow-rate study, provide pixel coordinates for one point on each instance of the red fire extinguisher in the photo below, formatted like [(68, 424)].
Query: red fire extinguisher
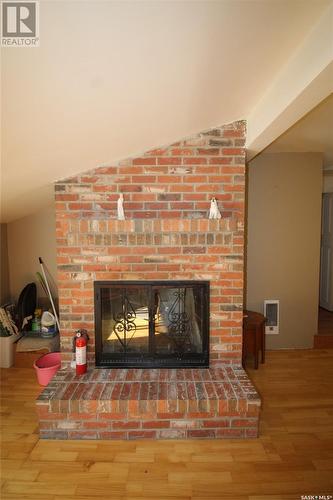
[(80, 344)]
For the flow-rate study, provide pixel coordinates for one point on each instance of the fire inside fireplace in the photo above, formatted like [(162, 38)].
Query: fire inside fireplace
[(159, 324)]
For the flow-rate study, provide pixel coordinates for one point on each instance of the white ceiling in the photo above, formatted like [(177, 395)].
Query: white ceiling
[(313, 133), (113, 78)]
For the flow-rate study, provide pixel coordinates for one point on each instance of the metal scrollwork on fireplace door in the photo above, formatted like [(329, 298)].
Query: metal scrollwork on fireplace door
[(179, 321), (125, 326)]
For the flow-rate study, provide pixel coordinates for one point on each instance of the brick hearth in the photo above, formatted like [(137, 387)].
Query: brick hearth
[(158, 403)]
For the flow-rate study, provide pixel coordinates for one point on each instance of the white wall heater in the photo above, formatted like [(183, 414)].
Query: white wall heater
[(271, 313)]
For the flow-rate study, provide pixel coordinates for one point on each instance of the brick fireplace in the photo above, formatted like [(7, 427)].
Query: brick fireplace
[(166, 236)]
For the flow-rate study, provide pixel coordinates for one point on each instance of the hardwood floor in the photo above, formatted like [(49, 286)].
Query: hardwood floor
[(292, 457)]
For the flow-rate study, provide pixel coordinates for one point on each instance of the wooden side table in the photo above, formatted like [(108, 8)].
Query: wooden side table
[(253, 336)]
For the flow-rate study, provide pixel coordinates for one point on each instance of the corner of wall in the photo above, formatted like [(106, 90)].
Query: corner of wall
[(29, 238), (4, 265)]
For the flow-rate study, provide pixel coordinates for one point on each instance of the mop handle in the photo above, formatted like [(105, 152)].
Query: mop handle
[(49, 292)]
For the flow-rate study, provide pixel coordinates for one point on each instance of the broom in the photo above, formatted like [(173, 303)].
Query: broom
[(45, 285)]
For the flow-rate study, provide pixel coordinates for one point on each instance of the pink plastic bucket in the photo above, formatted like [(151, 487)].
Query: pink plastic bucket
[(46, 366)]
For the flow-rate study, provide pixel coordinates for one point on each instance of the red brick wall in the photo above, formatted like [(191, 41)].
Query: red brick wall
[(166, 234)]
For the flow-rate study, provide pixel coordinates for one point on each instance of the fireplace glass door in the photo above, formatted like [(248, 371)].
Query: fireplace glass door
[(152, 324)]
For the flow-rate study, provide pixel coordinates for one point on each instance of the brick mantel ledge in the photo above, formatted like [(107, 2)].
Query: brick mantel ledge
[(219, 402)]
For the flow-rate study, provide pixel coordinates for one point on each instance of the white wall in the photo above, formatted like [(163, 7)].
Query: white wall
[(283, 250), (29, 238)]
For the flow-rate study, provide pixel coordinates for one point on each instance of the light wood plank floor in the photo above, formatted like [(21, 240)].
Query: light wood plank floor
[(292, 457)]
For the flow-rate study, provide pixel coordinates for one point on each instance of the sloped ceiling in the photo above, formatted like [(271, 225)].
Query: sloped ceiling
[(113, 79), (314, 134)]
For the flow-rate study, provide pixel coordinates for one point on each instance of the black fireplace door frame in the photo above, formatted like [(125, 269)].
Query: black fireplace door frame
[(151, 359)]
